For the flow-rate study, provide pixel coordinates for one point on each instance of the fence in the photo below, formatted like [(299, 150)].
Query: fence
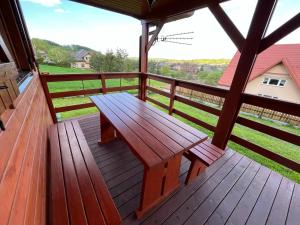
[(255, 110)]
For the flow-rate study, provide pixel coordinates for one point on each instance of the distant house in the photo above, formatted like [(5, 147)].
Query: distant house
[(82, 59), (276, 73)]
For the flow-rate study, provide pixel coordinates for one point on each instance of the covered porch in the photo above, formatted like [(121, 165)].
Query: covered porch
[(33, 158)]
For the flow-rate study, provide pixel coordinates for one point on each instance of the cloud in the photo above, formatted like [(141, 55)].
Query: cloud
[(48, 3), (59, 10)]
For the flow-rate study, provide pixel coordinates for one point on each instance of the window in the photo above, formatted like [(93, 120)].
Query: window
[(282, 83), (266, 80), (273, 81)]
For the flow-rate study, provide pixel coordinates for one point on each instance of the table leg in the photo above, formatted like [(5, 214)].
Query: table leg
[(107, 131), (158, 183)]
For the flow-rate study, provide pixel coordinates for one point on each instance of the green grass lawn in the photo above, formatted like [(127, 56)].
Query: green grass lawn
[(281, 147), (58, 69)]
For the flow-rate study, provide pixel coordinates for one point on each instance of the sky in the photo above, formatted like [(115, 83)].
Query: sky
[(67, 22)]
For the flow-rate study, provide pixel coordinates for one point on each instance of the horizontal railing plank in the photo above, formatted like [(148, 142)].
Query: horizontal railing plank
[(283, 135), (268, 154), (190, 85), (198, 105), (273, 104), (122, 88), (88, 76), (194, 120), (75, 93), (157, 91), (157, 103), (73, 107)]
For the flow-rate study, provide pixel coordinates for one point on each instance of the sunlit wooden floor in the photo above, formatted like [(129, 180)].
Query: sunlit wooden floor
[(235, 190)]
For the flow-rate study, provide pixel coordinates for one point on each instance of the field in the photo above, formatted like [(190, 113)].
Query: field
[(283, 148)]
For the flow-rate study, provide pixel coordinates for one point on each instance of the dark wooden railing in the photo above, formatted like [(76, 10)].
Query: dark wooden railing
[(281, 106), (48, 78), (169, 91)]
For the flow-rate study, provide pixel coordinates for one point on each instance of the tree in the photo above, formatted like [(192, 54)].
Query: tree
[(60, 57), (112, 61), (97, 61)]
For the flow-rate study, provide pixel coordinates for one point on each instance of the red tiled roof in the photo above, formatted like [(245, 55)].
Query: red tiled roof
[(288, 54)]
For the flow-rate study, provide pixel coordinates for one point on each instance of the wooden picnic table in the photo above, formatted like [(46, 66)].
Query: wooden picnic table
[(156, 138)]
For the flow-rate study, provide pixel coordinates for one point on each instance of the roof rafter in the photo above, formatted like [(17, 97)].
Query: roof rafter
[(281, 32), (228, 26)]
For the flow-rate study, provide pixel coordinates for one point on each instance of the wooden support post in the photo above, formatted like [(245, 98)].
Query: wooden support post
[(143, 60), (48, 98), (172, 96), (232, 104)]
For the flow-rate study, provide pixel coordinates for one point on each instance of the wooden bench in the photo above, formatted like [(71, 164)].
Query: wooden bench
[(78, 193), (201, 156)]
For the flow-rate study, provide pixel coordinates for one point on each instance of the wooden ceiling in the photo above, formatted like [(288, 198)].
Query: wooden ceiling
[(144, 10)]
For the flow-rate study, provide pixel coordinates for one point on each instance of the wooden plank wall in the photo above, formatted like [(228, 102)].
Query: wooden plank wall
[(23, 147)]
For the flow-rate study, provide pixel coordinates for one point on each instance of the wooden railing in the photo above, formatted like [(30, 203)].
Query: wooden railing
[(103, 77), (281, 106), (169, 91)]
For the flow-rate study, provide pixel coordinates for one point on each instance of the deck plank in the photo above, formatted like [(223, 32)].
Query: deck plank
[(294, 210), (226, 207), (261, 210), (233, 190)]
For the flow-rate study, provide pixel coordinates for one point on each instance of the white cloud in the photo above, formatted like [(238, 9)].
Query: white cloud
[(48, 3), (59, 10)]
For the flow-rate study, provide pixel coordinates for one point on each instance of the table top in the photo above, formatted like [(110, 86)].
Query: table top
[(153, 135)]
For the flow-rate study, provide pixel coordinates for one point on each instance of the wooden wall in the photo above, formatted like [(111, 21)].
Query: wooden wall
[(23, 147)]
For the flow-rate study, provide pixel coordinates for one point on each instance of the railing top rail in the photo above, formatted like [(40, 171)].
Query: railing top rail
[(221, 92), (87, 76), (273, 104)]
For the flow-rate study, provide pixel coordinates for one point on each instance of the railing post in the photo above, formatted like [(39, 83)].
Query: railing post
[(143, 67), (103, 82), (250, 49), (172, 96), (43, 77)]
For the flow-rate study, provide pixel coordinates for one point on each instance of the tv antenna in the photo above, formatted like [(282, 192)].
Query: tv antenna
[(175, 38)]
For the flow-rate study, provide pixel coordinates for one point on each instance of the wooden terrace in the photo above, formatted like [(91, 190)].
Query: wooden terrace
[(234, 190), (149, 168)]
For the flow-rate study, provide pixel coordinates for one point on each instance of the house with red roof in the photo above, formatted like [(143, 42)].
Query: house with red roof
[(276, 73)]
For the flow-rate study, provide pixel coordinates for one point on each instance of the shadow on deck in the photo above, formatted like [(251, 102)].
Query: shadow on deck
[(234, 190)]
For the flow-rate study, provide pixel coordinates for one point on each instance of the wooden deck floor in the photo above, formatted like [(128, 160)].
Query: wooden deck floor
[(234, 190)]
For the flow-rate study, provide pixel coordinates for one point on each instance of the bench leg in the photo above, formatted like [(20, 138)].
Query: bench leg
[(107, 131), (158, 183), (195, 169)]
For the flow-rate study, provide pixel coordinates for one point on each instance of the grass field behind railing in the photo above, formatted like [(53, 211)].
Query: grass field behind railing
[(278, 146)]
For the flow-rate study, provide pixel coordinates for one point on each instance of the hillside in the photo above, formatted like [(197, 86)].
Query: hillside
[(46, 46)]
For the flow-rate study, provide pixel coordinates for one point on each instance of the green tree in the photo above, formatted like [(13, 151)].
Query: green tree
[(97, 61), (60, 57)]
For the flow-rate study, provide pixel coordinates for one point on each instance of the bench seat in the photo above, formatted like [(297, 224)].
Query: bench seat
[(201, 156), (78, 193)]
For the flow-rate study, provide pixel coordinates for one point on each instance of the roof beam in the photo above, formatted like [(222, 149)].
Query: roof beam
[(281, 32), (98, 4), (233, 99), (177, 7), (228, 26), (154, 35)]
